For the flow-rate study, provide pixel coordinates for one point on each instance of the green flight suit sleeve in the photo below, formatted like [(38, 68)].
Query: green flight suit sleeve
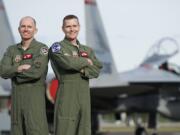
[(37, 70), (92, 71), (7, 69), (67, 62)]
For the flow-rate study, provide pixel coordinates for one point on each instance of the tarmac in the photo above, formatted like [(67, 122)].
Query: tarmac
[(120, 129), (129, 133)]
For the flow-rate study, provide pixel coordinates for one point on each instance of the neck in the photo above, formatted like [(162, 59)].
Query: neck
[(26, 43), (74, 42)]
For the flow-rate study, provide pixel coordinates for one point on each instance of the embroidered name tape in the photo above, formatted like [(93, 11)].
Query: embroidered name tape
[(84, 54), (27, 56)]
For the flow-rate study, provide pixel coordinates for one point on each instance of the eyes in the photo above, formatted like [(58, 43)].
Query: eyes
[(71, 26), (26, 26)]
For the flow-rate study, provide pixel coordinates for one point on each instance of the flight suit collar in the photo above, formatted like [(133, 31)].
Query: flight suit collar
[(69, 43), (32, 44)]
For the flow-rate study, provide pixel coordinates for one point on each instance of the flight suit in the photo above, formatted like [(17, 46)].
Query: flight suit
[(28, 116), (72, 106)]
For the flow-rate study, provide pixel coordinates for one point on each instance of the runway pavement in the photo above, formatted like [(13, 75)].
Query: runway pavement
[(130, 133), (168, 129)]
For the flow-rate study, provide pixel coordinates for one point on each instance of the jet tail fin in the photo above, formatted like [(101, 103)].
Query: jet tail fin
[(6, 36), (96, 37), (6, 39)]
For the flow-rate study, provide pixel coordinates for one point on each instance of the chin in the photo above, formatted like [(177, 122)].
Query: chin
[(71, 39)]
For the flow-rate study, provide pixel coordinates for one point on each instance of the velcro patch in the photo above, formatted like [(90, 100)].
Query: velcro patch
[(18, 58), (56, 47), (27, 56), (84, 54), (44, 51)]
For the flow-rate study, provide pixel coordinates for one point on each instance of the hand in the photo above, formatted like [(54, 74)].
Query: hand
[(24, 67), (82, 71), (89, 61)]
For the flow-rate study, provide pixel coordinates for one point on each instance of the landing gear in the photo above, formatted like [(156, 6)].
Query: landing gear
[(94, 123), (152, 124), (141, 131)]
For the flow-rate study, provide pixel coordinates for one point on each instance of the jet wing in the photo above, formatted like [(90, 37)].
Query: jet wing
[(113, 87), (145, 74)]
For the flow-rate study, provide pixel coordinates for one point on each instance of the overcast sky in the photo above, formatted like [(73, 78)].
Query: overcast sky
[(132, 26)]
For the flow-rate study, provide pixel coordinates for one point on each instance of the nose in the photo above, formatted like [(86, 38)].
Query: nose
[(26, 28), (71, 29)]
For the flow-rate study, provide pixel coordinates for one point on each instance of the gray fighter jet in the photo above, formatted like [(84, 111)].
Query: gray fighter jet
[(152, 87)]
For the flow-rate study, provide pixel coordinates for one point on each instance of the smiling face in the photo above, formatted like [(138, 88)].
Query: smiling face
[(27, 28), (71, 29)]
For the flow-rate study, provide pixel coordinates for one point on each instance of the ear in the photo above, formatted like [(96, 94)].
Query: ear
[(62, 28), (19, 29), (36, 30), (79, 27)]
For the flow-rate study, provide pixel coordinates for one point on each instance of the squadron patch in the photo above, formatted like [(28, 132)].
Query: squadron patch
[(18, 58), (56, 47), (44, 51)]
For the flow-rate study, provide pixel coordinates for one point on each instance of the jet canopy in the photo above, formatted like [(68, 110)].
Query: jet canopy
[(161, 51)]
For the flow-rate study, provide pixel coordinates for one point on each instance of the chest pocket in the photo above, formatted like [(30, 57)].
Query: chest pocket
[(69, 52), (23, 58)]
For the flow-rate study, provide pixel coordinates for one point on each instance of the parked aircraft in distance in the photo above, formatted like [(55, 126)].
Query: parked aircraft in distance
[(152, 87)]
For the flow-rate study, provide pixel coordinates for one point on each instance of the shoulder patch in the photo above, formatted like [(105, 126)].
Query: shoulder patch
[(56, 47), (44, 51)]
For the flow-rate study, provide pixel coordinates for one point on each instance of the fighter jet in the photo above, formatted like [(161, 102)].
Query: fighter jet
[(151, 87)]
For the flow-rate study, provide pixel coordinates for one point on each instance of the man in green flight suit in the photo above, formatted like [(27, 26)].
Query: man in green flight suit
[(26, 65), (74, 64)]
